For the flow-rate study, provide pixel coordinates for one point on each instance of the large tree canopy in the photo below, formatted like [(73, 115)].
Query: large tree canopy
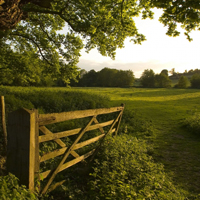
[(35, 26)]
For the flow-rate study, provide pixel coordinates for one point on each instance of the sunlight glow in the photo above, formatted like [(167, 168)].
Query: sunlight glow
[(158, 52)]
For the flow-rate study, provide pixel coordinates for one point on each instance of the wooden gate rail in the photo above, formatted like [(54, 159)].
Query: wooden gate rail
[(24, 126)]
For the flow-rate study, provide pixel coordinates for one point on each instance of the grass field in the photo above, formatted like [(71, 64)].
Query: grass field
[(176, 147)]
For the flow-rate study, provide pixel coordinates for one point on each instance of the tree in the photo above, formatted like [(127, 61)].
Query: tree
[(107, 77), (182, 82), (89, 79), (33, 25), (124, 78), (162, 80), (195, 81), (164, 71), (19, 69), (172, 71), (148, 78)]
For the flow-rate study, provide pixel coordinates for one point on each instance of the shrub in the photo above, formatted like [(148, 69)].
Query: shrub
[(193, 123), (10, 189), (124, 170), (182, 82), (148, 78)]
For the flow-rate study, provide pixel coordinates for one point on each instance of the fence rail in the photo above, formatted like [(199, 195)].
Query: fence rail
[(27, 130)]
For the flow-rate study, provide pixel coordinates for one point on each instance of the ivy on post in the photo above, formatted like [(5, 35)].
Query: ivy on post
[(22, 145)]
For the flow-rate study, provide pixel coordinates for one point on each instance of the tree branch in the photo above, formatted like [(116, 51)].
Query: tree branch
[(30, 39), (59, 13)]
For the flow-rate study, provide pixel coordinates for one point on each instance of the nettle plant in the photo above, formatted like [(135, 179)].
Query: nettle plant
[(123, 169), (11, 190)]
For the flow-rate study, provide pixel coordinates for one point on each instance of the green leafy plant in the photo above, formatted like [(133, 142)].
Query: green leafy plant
[(11, 190), (124, 170)]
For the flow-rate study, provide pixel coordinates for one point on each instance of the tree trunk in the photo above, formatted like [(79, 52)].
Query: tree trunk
[(11, 12)]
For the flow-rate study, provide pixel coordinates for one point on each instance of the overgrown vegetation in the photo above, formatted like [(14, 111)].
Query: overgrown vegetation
[(10, 189), (124, 170), (145, 161), (193, 123)]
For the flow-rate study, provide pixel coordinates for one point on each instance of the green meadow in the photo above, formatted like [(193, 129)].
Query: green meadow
[(176, 146), (163, 117)]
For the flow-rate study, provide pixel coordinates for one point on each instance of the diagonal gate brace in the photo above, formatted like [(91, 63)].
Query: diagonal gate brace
[(68, 151)]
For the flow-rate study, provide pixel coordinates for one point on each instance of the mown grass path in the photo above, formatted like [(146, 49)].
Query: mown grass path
[(174, 146)]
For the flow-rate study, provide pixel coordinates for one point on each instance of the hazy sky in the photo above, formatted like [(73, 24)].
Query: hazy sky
[(158, 52)]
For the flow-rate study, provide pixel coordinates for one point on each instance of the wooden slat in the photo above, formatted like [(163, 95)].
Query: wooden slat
[(119, 121), (53, 154), (44, 138), (69, 164), (48, 132), (3, 118), (100, 128), (52, 118), (56, 153), (53, 187), (82, 144), (113, 130), (73, 153), (76, 160)]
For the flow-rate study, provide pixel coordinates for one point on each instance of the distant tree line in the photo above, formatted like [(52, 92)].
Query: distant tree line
[(105, 78), (151, 80), (26, 69)]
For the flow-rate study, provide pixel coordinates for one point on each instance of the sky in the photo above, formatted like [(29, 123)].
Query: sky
[(158, 52)]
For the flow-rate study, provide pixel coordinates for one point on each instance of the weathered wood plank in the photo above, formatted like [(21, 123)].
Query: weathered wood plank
[(48, 132), (44, 138), (53, 154), (56, 153), (73, 153), (82, 144), (66, 156), (76, 160), (3, 118), (37, 154), (53, 187), (64, 116), (54, 136), (69, 164), (119, 121), (100, 128), (113, 130), (21, 146)]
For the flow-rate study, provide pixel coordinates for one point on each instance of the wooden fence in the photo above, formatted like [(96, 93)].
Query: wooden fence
[(27, 131)]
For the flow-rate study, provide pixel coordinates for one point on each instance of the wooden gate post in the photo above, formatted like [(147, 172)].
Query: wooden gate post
[(23, 146), (3, 118)]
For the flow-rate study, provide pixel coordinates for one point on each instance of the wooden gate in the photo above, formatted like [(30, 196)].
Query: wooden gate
[(27, 131)]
